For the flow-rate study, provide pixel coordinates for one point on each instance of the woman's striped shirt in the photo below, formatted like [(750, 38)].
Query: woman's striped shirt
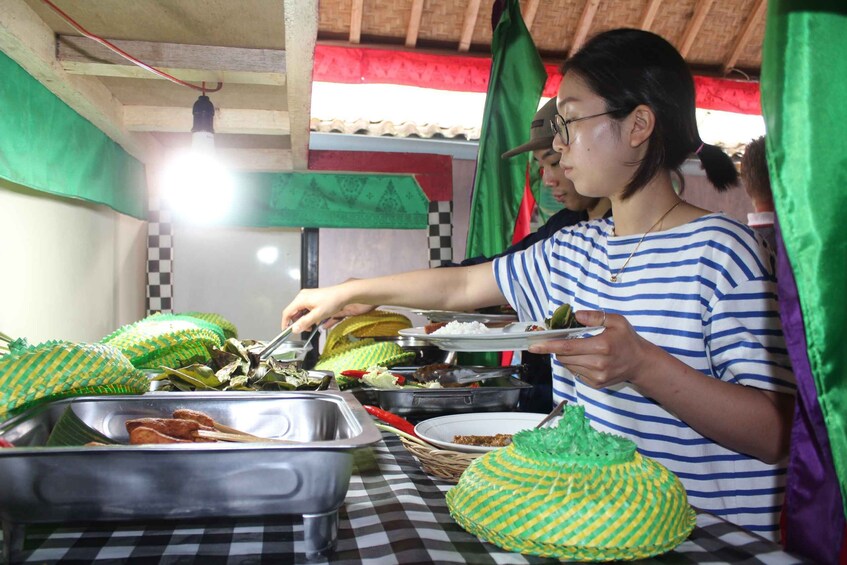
[(706, 293)]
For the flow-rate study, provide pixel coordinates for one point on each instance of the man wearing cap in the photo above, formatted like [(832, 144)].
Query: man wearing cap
[(577, 208)]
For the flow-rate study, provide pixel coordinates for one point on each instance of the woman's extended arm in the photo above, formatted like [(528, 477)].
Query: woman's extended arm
[(455, 288), (742, 418)]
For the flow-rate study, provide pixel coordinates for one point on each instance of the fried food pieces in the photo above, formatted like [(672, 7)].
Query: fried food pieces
[(186, 426)]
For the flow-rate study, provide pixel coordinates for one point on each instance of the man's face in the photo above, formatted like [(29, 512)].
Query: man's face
[(560, 187)]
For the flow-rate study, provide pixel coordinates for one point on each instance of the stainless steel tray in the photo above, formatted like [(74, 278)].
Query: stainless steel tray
[(496, 395), (200, 480)]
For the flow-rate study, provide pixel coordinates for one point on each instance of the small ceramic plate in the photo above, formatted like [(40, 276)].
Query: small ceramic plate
[(442, 430)]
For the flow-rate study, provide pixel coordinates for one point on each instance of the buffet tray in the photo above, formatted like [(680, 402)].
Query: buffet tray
[(495, 395), (182, 481)]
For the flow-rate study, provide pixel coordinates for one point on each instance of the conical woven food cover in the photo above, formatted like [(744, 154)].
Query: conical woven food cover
[(373, 324), (30, 375), (168, 340), (226, 326), (571, 492)]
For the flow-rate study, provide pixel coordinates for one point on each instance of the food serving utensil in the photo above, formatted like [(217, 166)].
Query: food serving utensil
[(560, 407), (468, 375), (279, 339)]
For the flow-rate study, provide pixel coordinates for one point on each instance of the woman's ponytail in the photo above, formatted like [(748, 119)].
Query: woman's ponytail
[(718, 166)]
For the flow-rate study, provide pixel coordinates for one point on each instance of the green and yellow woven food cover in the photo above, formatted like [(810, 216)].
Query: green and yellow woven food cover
[(170, 340), (571, 492), (373, 324), (30, 375), (364, 354), (226, 326)]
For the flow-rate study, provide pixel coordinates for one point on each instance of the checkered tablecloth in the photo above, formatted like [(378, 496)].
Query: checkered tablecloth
[(393, 513)]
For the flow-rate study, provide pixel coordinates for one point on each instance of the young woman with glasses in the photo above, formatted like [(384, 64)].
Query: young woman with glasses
[(692, 363)]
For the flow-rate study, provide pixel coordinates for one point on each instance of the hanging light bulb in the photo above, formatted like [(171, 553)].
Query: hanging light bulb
[(197, 187)]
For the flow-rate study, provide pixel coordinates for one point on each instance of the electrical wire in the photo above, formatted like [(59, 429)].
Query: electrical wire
[(126, 55)]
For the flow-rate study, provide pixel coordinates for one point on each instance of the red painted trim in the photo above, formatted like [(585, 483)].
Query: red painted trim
[(434, 173), (463, 73)]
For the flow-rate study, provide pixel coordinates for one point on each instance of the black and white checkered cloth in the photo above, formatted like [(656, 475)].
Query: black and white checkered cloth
[(393, 513)]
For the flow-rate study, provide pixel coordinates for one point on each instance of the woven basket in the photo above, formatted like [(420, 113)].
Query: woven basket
[(442, 463)]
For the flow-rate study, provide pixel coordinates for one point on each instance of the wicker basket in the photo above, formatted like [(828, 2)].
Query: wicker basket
[(442, 463)]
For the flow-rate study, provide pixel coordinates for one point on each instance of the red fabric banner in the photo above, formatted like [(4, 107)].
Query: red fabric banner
[(467, 73)]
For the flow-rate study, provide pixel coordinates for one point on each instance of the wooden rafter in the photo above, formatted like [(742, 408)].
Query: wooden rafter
[(701, 10), (650, 11), (584, 24), (744, 37), (414, 25), (31, 43), (356, 9), (301, 33), (194, 63), (227, 120), (530, 10), (471, 13)]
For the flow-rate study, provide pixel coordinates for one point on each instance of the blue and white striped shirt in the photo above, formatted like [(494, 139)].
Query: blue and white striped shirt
[(706, 293)]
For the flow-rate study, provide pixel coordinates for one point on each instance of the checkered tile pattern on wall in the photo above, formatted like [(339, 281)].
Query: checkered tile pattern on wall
[(440, 220), (160, 288)]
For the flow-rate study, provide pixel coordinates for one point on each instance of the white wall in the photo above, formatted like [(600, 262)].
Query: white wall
[(68, 269), (247, 275)]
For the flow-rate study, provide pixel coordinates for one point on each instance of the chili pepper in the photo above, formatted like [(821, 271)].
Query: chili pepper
[(392, 419), (6, 443)]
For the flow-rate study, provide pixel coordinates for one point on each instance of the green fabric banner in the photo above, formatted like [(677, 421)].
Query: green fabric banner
[(328, 200), (514, 89), (804, 99), (45, 145)]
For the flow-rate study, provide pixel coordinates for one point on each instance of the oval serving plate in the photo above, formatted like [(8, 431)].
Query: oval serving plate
[(499, 339), (440, 431)]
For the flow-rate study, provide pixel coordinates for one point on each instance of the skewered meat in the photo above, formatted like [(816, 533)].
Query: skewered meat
[(195, 415), (145, 435)]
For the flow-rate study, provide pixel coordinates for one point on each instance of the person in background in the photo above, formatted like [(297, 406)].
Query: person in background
[(691, 362), (757, 183), (576, 208)]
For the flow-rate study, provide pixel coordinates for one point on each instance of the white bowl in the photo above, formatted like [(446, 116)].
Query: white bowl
[(440, 431)]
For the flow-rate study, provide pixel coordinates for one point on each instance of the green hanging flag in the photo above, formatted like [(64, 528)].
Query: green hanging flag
[(514, 89), (804, 89)]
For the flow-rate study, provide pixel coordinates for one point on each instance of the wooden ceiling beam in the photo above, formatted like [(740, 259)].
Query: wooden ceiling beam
[(584, 25), (530, 10), (356, 11), (31, 43), (468, 25), (257, 160), (650, 11), (193, 63), (227, 120), (743, 38), (414, 25), (301, 34), (701, 10)]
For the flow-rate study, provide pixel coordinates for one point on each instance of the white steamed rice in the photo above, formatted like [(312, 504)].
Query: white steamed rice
[(462, 328)]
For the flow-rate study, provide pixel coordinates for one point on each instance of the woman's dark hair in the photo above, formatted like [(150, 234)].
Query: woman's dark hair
[(628, 67)]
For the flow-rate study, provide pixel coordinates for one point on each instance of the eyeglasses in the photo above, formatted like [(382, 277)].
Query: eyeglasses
[(559, 125)]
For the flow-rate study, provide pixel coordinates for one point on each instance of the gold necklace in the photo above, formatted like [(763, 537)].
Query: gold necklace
[(614, 277)]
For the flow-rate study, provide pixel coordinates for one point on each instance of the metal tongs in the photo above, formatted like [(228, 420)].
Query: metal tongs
[(467, 375), (272, 345), (560, 407)]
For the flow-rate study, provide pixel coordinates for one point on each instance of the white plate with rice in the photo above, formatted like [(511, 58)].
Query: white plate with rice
[(474, 336)]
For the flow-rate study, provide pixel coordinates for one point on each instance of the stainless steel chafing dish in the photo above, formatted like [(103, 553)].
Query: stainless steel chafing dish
[(197, 480), (494, 395)]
